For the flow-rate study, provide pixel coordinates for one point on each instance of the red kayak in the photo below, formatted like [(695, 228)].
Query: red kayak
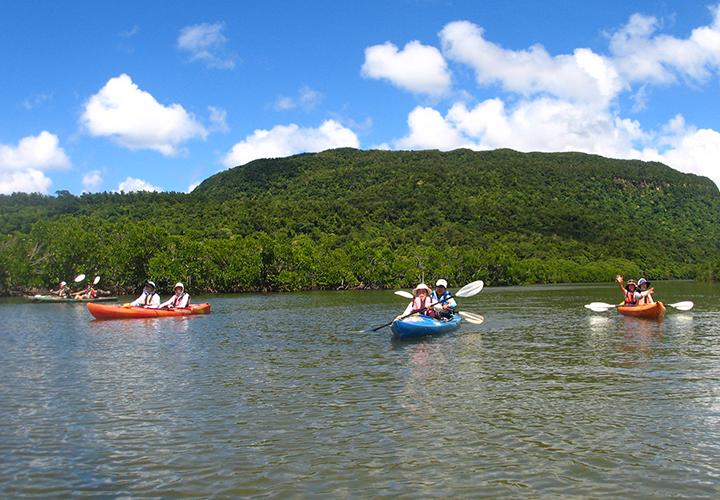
[(104, 311), (648, 311)]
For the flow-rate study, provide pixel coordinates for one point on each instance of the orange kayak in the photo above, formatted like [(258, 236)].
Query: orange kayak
[(104, 311), (648, 311)]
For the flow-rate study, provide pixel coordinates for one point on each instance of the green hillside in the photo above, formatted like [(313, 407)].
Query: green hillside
[(349, 218)]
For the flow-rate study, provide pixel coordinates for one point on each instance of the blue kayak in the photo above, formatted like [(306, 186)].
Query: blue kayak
[(419, 325)]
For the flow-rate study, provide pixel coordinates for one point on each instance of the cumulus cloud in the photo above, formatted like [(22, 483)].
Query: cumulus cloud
[(92, 181), (206, 43), (22, 167), (134, 119), (288, 140), (582, 75), (130, 184), (418, 68), (642, 56), (566, 102)]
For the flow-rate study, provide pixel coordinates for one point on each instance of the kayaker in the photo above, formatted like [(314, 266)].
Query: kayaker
[(148, 298), (444, 302), (421, 303), (645, 292), (630, 291), (88, 293), (63, 292), (180, 299)]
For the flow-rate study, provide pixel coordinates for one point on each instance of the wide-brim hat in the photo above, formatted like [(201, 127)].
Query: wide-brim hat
[(179, 285), (631, 282), (421, 286)]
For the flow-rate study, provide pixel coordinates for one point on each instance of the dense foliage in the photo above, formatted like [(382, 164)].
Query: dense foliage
[(349, 218)]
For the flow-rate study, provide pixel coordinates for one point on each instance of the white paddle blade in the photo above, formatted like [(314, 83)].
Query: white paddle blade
[(683, 306), (470, 289), (600, 304), (79, 278), (96, 280), (403, 293), (475, 319), (598, 307)]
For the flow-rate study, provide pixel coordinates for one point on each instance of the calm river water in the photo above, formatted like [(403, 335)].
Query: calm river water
[(289, 396)]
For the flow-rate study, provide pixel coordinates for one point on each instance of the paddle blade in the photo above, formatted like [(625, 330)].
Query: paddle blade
[(683, 306), (79, 278), (599, 304), (598, 307), (96, 280), (475, 319), (405, 294), (470, 289)]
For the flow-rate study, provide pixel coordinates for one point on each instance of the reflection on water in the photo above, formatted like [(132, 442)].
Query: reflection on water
[(289, 396)]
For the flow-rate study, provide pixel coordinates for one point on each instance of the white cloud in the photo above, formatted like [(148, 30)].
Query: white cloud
[(287, 140), (308, 99), (284, 103), (130, 184), (218, 119), (41, 152), (686, 149), (429, 130), (206, 43), (92, 181), (567, 102), (642, 56), (21, 167), (582, 75), (27, 181), (135, 120), (418, 68), (36, 101)]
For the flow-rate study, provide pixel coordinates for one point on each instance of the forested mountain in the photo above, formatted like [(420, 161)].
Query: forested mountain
[(349, 218)]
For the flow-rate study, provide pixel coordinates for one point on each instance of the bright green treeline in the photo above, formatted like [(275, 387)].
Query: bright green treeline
[(348, 218)]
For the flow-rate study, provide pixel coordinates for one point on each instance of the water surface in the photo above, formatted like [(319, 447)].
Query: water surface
[(290, 396)]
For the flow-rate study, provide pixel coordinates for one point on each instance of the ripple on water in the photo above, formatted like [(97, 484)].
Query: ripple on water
[(287, 396)]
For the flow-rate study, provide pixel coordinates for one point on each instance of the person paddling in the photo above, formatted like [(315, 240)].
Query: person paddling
[(444, 302), (149, 298), (422, 302), (88, 293), (629, 291), (63, 292), (179, 300), (645, 292)]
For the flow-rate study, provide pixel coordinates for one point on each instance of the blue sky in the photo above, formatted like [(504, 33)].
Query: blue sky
[(123, 96)]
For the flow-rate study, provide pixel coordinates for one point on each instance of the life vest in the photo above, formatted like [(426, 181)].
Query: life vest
[(423, 306), (178, 298), (148, 298), (444, 298), (630, 297)]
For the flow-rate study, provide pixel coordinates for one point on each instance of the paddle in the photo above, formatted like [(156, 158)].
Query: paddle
[(79, 278), (96, 280), (602, 306), (467, 291), (475, 319)]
